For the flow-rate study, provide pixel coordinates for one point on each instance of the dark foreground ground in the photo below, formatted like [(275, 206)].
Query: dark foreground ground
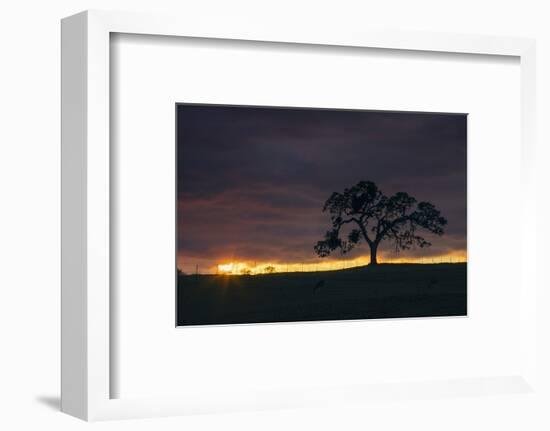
[(393, 290)]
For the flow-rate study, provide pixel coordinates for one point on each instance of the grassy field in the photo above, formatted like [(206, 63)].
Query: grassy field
[(383, 291)]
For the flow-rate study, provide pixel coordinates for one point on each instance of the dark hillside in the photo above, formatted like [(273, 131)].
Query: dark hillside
[(382, 291)]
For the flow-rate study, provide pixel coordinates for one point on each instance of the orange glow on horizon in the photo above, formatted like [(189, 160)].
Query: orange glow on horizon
[(255, 268)]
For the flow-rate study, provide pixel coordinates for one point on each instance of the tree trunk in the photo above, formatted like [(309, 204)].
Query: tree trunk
[(373, 249)]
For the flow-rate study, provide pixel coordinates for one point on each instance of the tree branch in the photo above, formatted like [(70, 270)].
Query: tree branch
[(365, 234)]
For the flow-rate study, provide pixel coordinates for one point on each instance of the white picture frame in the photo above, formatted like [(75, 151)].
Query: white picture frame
[(86, 312)]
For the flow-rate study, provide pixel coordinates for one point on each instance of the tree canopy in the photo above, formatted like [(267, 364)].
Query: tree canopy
[(364, 213)]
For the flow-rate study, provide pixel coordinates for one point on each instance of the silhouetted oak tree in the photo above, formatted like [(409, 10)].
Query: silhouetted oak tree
[(374, 217)]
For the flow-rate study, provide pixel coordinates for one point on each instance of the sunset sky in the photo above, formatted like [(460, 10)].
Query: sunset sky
[(252, 181)]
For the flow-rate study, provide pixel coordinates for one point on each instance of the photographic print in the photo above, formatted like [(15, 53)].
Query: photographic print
[(308, 214)]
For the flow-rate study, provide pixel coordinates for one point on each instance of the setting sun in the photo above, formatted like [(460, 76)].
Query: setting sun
[(226, 268)]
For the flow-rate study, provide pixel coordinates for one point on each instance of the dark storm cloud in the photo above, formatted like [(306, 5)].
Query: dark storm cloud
[(252, 181)]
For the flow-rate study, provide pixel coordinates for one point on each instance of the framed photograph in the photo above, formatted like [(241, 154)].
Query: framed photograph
[(268, 218), (279, 219)]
